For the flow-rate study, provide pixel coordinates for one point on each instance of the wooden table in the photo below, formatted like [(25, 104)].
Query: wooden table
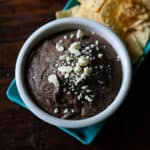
[(128, 129)]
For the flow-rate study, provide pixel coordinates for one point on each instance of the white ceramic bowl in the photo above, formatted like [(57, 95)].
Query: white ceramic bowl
[(55, 27)]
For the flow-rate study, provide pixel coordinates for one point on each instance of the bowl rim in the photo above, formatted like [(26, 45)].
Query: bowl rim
[(62, 23)]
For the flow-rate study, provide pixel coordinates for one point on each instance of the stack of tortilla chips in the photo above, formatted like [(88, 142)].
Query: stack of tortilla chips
[(130, 19)]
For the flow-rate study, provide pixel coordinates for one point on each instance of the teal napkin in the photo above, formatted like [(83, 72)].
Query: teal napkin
[(147, 48), (84, 135)]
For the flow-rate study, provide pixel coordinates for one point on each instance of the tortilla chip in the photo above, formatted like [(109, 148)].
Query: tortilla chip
[(93, 5), (146, 3), (63, 14), (122, 13), (81, 1), (134, 47), (96, 5), (130, 19), (82, 13), (67, 13), (143, 36)]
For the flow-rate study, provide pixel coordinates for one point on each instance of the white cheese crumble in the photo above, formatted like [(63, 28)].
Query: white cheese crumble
[(71, 36), (97, 48), (66, 75), (59, 47), (65, 69), (101, 67), (118, 58), (100, 55), (84, 87), (68, 59), (79, 96), (87, 47), (60, 41), (74, 48), (56, 110), (96, 42), (88, 91), (83, 61), (34, 77), (89, 99), (53, 79), (72, 110), (79, 79), (79, 34), (92, 33), (63, 57), (92, 45), (77, 69), (87, 71), (66, 110), (65, 37)]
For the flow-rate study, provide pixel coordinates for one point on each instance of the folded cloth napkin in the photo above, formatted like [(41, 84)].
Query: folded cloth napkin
[(84, 135), (147, 48)]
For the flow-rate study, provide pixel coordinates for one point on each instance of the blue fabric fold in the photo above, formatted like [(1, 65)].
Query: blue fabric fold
[(147, 48), (84, 135), (70, 4)]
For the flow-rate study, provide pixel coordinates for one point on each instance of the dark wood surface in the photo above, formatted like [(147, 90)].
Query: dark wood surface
[(128, 129)]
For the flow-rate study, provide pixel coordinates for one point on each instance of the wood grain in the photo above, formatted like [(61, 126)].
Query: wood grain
[(128, 129)]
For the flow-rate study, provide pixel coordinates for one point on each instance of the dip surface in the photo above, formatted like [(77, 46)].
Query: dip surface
[(73, 74)]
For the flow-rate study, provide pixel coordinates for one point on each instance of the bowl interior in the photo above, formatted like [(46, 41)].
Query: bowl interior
[(67, 24)]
